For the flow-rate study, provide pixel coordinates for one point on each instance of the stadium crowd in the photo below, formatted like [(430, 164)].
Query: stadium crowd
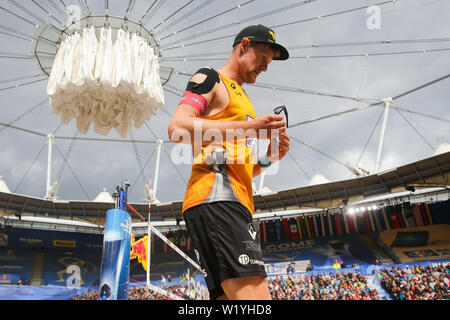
[(140, 293), (417, 283), (339, 286)]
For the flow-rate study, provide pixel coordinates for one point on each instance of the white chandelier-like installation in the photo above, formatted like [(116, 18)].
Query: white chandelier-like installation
[(109, 85)]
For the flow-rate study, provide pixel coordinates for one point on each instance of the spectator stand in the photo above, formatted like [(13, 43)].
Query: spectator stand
[(418, 281), (326, 284), (15, 266)]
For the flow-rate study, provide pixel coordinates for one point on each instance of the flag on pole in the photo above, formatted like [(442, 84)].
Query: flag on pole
[(139, 250)]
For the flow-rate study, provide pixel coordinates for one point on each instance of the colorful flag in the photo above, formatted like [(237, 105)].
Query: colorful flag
[(300, 231), (183, 241), (279, 230), (418, 215), (264, 234), (427, 210), (386, 219), (293, 228), (316, 229), (139, 250), (322, 225), (287, 232), (331, 223)]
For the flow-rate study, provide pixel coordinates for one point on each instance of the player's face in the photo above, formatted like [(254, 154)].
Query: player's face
[(256, 60)]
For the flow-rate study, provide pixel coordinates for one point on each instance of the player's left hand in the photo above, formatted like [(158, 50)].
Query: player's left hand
[(278, 147)]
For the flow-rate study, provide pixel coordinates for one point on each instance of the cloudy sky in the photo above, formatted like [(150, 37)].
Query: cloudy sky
[(204, 37)]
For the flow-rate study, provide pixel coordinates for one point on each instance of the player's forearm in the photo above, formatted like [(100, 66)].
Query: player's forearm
[(257, 170), (191, 130)]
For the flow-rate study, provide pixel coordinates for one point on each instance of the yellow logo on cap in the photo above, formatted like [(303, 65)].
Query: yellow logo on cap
[(273, 35)]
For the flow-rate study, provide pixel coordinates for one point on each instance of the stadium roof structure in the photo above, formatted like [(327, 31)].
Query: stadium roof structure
[(433, 171)]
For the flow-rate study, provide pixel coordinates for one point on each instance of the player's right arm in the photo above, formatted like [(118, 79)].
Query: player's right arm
[(187, 120)]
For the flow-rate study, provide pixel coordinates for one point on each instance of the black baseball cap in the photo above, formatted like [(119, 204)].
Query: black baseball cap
[(262, 34)]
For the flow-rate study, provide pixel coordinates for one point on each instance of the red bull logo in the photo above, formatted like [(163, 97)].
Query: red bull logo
[(139, 251)]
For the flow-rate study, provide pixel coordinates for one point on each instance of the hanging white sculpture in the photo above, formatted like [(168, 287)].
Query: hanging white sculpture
[(109, 85)]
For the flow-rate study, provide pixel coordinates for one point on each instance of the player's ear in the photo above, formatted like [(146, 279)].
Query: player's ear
[(245, 45)]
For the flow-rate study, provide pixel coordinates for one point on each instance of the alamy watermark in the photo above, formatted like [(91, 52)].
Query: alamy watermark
[(213, 147), (373, 22), (74, 280), (73, 17)]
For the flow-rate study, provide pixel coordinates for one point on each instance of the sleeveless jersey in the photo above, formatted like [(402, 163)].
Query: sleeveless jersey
[(223, 170)]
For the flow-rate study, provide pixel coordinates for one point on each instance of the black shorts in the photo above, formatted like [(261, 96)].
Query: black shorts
[(226, 243)]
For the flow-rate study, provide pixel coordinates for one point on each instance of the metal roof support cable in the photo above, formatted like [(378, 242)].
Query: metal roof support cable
[(366, 43), (368, 140), (58, 9), (24, 35), (12, 55), (415, 129), (29, 168), (321, 152), (31, 14), (102, 140), (421, 87), (334, 115), (299, 166), (12, 80), (42, 21), (422, 114), (174, 90), (258, 16), (308, 91), (15, 36), (35, 159), (229, 25), (207, 19), (136, 152), (424, 51), (187, 14), (130, 8), (148, 10), (48, 13), (24, 84), (195, 43), (27, 112), (23, 130), (176, 168), (142, 171), (85, 7), (22, 18), (331, 14), (73, 173), (196, 55), (172, 14), (65, 162), (167, 154), (330, 45), (147, 19)]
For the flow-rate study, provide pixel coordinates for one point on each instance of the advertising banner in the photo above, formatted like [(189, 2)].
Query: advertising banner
[(115, 270)]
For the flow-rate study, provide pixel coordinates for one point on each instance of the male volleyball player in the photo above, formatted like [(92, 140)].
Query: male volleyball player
[(218, 204)]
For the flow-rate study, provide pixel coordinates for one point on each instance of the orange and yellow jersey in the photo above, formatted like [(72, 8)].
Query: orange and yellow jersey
[(223, 170)]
